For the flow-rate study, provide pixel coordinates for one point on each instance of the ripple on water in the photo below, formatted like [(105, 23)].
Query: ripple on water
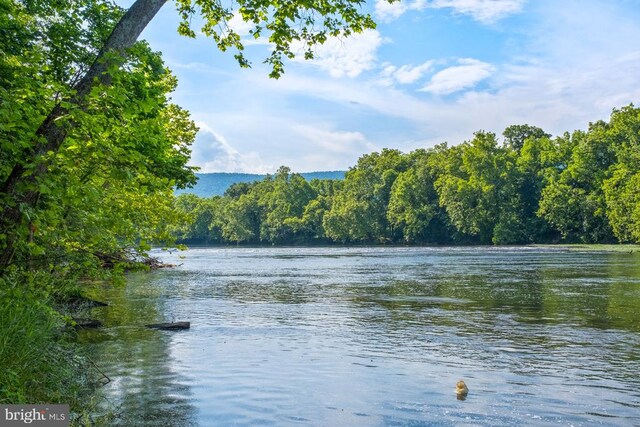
[(376, 336)]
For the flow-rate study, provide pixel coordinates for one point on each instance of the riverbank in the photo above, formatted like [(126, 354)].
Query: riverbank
[(40, 363), (629, 248), (613, 247), (41, 360)]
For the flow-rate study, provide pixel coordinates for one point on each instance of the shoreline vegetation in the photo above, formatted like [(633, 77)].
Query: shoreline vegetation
[(581, 187), (585, 247), (88, 179)]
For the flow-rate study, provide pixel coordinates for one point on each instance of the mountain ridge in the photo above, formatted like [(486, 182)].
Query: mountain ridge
[(216, 183)]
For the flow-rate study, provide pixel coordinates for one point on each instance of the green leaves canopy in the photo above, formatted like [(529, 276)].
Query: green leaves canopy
[(108, 188), (292, 27)]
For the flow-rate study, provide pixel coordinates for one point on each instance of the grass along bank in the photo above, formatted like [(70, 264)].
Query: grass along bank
[(40, 362)]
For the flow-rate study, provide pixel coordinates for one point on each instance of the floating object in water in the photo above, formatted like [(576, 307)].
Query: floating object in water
[(170, 326), (461, 390)]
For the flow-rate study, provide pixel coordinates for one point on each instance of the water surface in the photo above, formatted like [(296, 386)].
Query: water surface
[(375, 336)]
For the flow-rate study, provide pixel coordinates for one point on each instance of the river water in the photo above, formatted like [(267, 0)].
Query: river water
[(374, 336)]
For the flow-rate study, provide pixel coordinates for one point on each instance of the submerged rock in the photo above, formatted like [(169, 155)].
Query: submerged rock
[(175, 326)]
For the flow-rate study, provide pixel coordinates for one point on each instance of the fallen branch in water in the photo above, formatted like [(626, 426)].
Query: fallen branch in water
[(170, 326)]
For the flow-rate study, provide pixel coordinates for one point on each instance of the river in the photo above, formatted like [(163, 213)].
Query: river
[(374, 336)]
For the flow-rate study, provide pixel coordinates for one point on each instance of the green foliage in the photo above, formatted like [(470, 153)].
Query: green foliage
[(103, 193), (622, 194), (533, 189), (241, 220), (284, 200), (107, 193), (108, 189), (516, 135), (476, 188), (622, 188), (198, 214), (413, 206), (37, 367), (574, 201), (359, 210), (290, 26), (218, 183)]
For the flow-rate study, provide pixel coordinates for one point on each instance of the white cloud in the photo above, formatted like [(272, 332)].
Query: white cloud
[(360, 94), (574, 61), (189, 66), (301, 140), (212, 153), (558, 82), (346, 57), (405, 74), (243, 28), (484, 11), (467, 74), (239, 25), (331, 149), (335, 142), (388, 12)]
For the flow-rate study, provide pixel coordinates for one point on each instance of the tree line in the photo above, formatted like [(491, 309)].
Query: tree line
[(526, 187)]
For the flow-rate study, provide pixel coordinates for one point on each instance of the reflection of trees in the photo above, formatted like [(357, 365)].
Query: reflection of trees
[(624, 294), (533, 313), (144, 391), (523, 312), (553, 288), (600, 291)]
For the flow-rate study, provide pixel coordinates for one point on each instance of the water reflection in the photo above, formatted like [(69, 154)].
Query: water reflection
[(378, 336), (143, 389)]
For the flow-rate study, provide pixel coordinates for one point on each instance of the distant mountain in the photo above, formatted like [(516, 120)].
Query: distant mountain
[(215, 184)]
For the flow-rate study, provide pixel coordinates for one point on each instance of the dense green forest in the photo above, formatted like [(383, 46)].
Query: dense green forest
[(525, 187)]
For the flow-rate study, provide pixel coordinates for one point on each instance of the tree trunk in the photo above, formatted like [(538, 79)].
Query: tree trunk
[(50, 135)]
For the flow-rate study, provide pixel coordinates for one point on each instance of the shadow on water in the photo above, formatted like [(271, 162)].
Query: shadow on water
[(143, 390)]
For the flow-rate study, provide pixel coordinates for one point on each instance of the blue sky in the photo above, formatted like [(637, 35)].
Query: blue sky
[(432, 71)]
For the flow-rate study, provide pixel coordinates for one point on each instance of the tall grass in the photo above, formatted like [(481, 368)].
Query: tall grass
[(36, 364)]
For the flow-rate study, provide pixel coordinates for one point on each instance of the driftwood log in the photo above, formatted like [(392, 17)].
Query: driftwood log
[(175, 326)]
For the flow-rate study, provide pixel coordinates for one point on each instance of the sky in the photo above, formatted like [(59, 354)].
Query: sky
[(432, 71)]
